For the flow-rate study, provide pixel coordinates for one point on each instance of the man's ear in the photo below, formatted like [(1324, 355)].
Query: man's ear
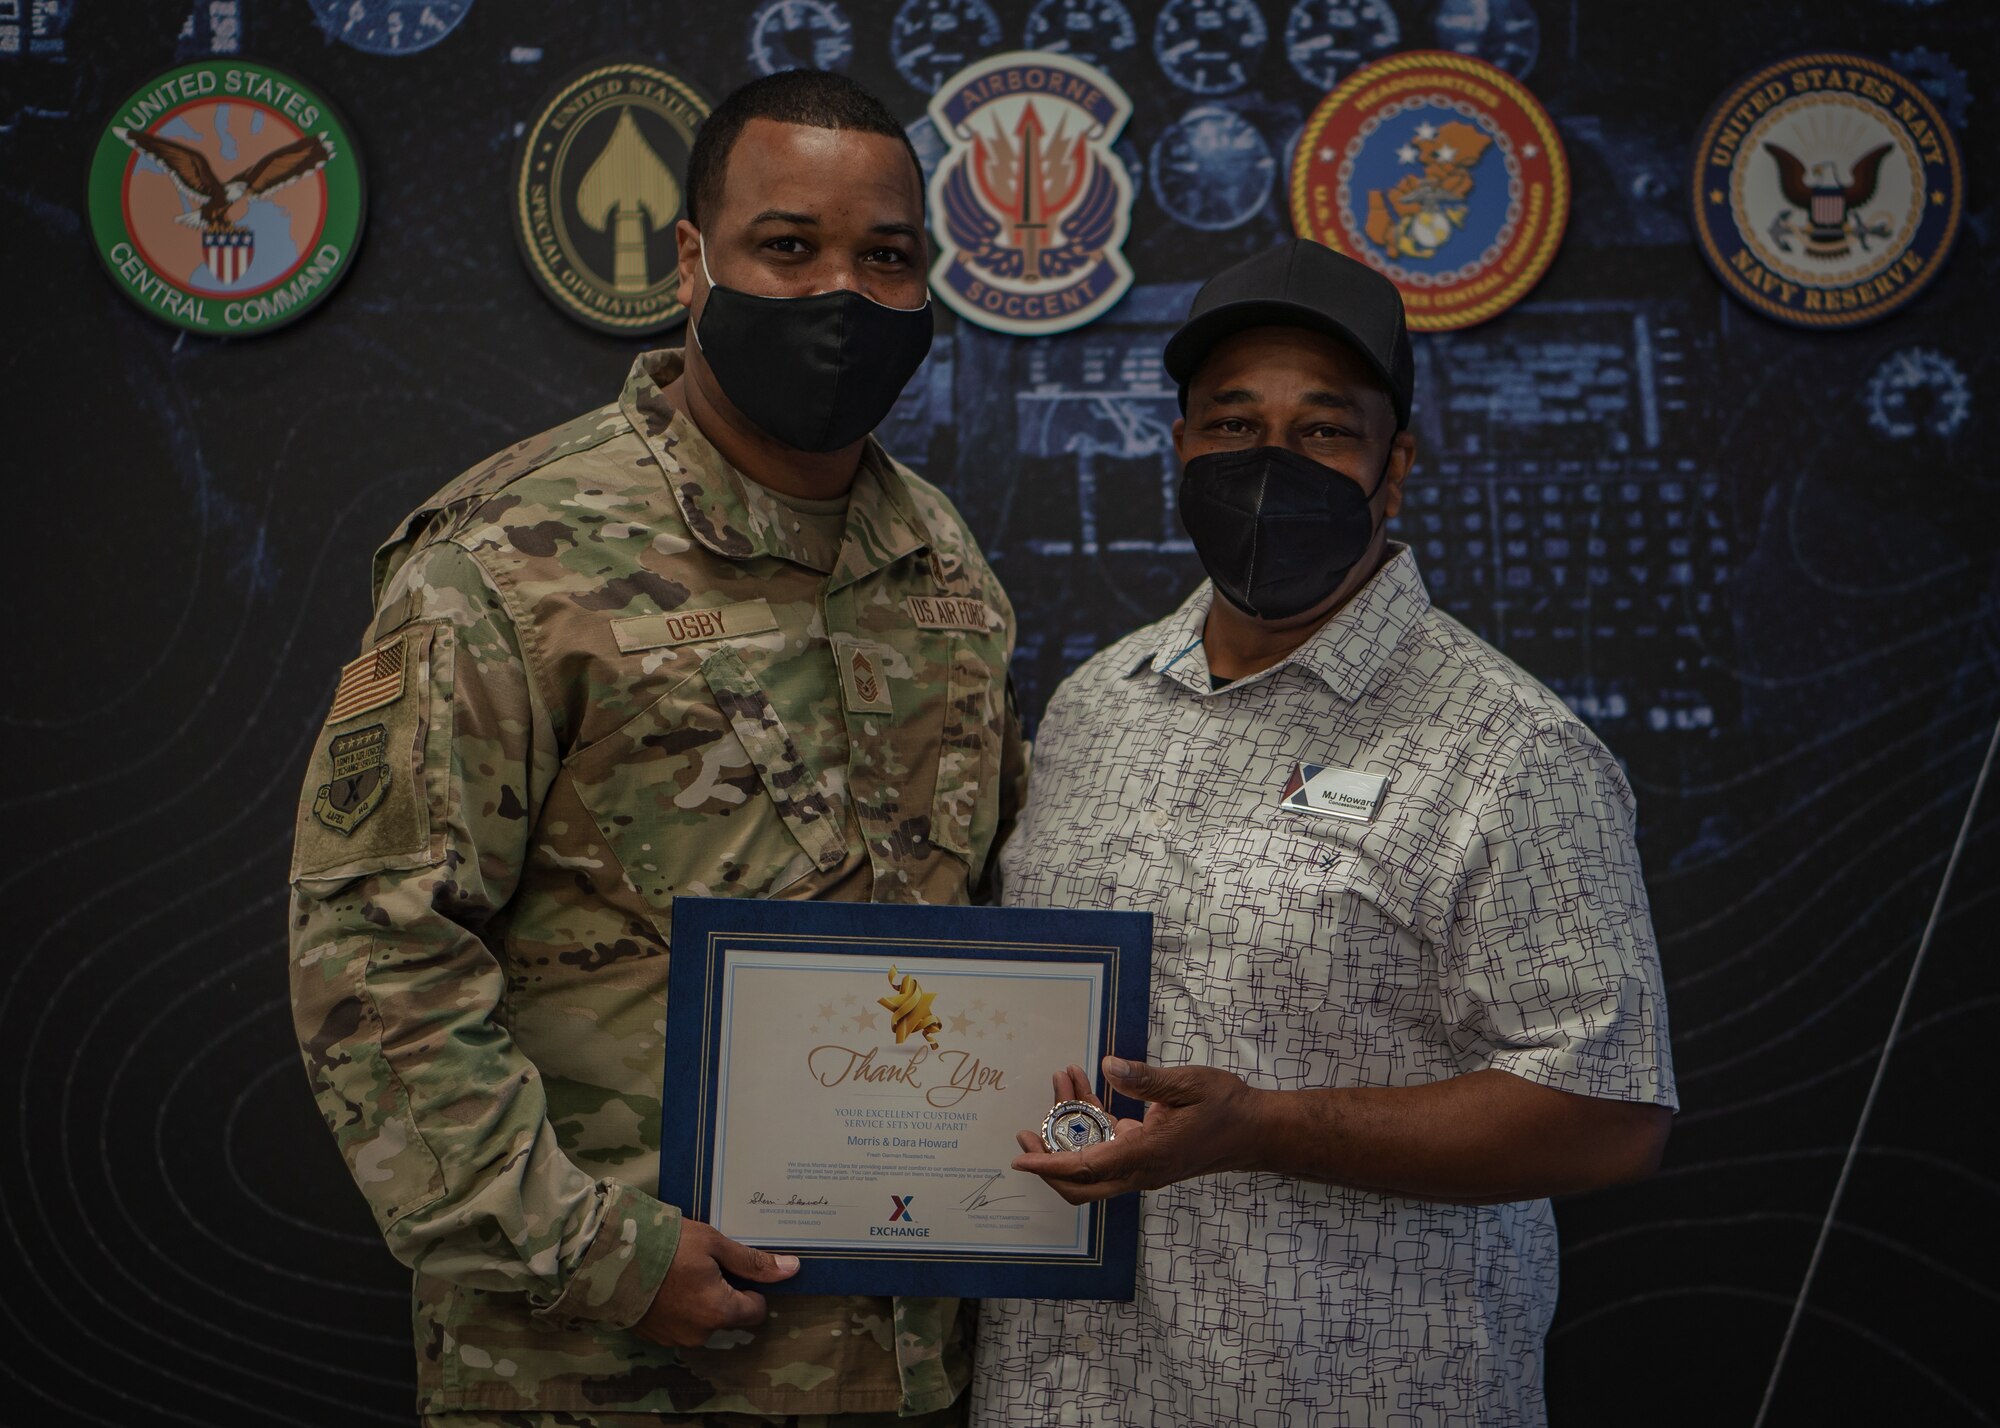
[(1402, 457), (687, 258), (1179, 429)]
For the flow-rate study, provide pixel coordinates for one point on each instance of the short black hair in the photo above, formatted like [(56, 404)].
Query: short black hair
[(815, 98)]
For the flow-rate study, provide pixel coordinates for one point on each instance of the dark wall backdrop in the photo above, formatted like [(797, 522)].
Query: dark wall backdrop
[(1803, 709)]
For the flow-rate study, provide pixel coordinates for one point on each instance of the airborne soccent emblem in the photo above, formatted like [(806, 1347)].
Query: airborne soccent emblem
[(1032, 205), (1443, 172), (226, 197), (597, 193), (1826, 190)]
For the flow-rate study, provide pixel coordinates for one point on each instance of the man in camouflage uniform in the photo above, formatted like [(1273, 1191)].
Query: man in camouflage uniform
[(609, 666)]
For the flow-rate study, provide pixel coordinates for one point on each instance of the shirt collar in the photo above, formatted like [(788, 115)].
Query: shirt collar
[(735, 517), (1345, 654)]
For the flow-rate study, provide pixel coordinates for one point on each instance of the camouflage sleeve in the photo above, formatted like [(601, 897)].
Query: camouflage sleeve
[(411, 835), (1014, 750), (1013, 793)]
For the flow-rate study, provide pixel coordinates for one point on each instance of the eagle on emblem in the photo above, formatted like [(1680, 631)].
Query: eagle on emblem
[(1830, 206), (192, 174)]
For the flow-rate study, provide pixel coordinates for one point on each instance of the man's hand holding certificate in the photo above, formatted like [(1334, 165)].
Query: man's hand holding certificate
[(845, 1083)]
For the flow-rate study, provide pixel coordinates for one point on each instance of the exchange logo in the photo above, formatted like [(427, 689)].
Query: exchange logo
[(226, 197), (1443, 172), (1826, 190), (597, 194), (901, 1210), (1032, 204)]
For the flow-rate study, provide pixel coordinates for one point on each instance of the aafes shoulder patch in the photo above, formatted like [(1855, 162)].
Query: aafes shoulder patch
[(1826, 190), (358, 781)]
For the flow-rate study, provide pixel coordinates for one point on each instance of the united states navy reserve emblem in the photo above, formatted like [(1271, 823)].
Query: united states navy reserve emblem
[(597, 192), (226, 197), (1031, 203), (1826, 190), (1441, 171)]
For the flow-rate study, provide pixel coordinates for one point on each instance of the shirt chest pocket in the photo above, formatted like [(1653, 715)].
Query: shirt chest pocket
[(1304, 916), (705, 792)]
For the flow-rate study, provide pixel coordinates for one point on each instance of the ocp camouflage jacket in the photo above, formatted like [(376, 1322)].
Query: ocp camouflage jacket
[(606, 669)]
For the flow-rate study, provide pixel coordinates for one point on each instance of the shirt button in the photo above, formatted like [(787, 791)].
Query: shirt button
[(1085, 1344), (1160, 818)]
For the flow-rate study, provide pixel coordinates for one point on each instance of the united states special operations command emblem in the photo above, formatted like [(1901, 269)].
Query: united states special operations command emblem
[(1826, 190), (1031, 204), (226, 197), (597, 192), (1441, 171)]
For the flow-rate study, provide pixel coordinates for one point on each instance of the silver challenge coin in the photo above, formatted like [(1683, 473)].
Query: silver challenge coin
[(1075, 1125)]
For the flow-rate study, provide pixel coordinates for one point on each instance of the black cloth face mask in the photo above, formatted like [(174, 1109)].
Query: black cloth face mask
[(1276, 531), (816, 373)]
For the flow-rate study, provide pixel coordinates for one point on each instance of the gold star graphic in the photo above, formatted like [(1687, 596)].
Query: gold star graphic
[(848, 1000), (999, 1018), (865, 1020), (826, 1011), (1715, 195), (961, 1022), (1937, 195)]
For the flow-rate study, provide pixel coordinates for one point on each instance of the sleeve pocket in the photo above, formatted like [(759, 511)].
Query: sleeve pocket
[(964, 810), (360, 1096)]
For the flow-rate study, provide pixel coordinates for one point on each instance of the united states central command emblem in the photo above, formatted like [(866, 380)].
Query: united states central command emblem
[(226, 197), (1444, 173), (1826, 190), (1031, 204), (597, 193)]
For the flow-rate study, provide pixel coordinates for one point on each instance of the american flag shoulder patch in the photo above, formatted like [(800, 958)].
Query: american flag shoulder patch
[(369, 682)]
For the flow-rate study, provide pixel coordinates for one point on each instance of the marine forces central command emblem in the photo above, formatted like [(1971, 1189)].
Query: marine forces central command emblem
[(1031, 204), (226, 197), (597, 192), (1826, 190), (1444, 173)]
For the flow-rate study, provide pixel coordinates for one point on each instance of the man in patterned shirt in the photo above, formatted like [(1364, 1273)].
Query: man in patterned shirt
[(1405, 984)]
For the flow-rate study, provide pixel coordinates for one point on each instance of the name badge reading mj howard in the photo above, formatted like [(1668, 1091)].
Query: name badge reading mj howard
[(844, 1082), (1334, 793)]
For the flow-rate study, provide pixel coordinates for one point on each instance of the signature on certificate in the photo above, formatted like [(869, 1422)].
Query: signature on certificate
[(758, 1197), (979, 1198)]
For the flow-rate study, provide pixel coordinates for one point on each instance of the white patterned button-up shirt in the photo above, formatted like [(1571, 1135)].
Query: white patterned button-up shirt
[(1490, 915)]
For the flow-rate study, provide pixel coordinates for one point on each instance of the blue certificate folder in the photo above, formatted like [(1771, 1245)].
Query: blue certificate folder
[(1108, 954)]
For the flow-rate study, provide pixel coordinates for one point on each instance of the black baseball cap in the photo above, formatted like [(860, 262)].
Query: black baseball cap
[(1301, 284)]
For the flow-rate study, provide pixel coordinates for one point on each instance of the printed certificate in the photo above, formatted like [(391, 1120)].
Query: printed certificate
[(844, 1082)]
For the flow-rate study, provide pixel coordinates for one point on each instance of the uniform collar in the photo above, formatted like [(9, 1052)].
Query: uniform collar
[(1345, 654), (735, 517)]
